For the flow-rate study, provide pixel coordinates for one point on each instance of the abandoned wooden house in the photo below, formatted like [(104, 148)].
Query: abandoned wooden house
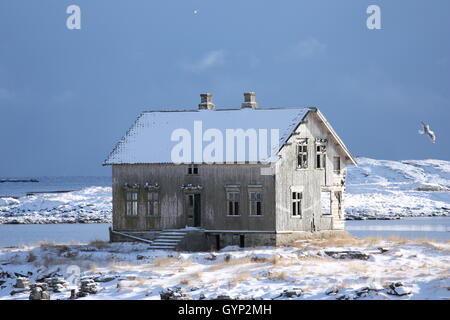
[(205, 178)]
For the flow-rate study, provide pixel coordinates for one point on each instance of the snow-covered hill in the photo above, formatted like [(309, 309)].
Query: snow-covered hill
[(383, 188), (375, 189)]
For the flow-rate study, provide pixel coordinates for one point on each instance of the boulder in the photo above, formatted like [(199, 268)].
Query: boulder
[(22, 283), (292, 293), (39, 292), (348, 254), (332, 290), (175, 293), (87, 286)]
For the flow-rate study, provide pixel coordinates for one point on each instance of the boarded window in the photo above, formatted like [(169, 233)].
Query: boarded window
[(302, 154), (325, 201), (152, 203), (338, 195), (337, 164), (255, 203), (297, 198), (131, 203), (233, 203), (193, 169)]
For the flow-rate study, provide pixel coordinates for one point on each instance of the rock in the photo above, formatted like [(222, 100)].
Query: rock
[(292, 293), (332, 290), (211, 257), (39, 292), (223, 297), (348, 255), (343, 297), (398, 289), (22, 283), (227, 258), (87, 286), (105, 278), (57, 284), (176, 293)]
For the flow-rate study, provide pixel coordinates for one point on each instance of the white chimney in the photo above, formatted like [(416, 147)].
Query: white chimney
[(249, 100), (206, 102)]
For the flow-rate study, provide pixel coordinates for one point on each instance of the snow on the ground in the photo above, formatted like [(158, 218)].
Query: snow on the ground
[(410, 188), (85, 206), (375, 189), (394, 269)]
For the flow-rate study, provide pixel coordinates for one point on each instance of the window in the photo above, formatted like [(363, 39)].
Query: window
[(297, 204), (337, 164), (321, 151), (255, 203), (233, 203), (131, 203), (193, 169), (302, 154), (152, 203), (325, 201)]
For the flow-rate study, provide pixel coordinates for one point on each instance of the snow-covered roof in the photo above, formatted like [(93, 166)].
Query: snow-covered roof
[(149, 138)]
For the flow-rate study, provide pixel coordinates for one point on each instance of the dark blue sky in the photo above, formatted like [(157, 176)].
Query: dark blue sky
[(67, 96)]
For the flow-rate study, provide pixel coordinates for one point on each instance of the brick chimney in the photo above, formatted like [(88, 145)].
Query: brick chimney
[(206, 102), (249, 100)]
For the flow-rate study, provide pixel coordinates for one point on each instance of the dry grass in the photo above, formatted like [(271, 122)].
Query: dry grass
[(231, 262), (245, 276), (279, 275), (164, 262), (99, 244)]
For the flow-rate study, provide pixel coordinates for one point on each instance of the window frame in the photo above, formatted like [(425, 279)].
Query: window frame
[(296, 204), (302, 154), (193, 170), (321, 154), (330, 205), (253, 203), (132, 203), (233, 199), (151, 203)]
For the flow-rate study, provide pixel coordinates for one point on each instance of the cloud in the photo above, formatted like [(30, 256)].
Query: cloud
[(210, 59), (305, 49)]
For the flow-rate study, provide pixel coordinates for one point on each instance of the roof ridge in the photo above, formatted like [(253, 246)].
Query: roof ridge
[(230, 109)]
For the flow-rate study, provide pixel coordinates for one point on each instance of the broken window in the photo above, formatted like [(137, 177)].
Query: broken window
[(233, 203), (152, 203), (193, 169), (131, 203), (297, 198), (255, 203), (325, 201), (302, 154), (321, 152), (337, 164)]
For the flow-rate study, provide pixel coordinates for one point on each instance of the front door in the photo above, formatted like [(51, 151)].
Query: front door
[(197, 212), (193, 210)]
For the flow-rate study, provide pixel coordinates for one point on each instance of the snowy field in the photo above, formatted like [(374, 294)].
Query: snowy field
[(375, 189), (392, 189), (343, 268)]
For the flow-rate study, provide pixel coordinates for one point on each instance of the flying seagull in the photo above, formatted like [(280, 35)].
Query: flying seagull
[(426, 130)]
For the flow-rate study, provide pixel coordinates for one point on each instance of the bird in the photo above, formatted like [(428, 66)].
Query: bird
[(426, 130)]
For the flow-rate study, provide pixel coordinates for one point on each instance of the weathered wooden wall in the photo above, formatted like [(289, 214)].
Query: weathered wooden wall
[(310, 181), (213, 179)]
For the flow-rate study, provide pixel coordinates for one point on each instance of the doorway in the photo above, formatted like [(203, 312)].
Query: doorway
[(193, 209)]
